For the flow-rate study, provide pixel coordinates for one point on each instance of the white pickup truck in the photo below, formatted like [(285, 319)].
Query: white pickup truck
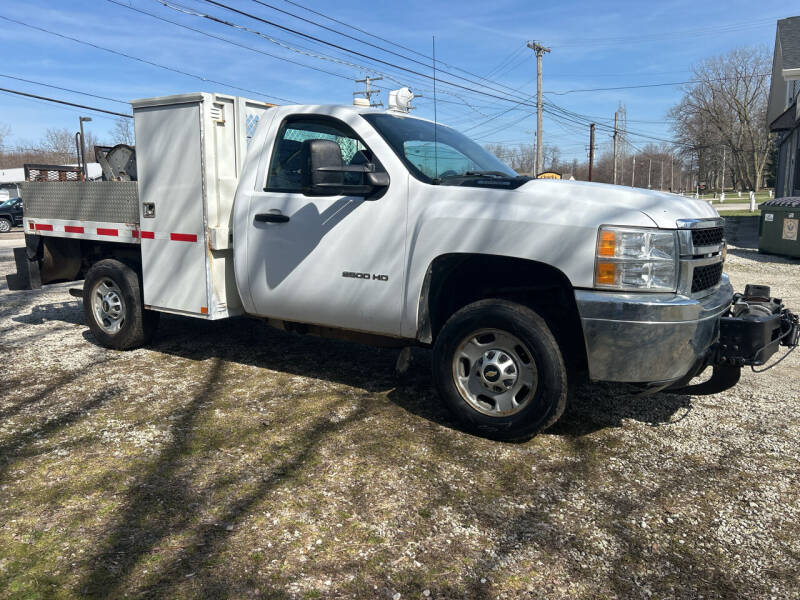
[(385, 228)]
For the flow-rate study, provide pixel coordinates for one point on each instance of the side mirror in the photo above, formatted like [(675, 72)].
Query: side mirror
[(324, 169)]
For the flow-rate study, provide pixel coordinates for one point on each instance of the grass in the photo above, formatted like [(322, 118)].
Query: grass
[(738, 213), (733, 197)]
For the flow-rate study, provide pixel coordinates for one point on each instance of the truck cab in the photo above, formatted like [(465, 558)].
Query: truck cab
[(392, 229)]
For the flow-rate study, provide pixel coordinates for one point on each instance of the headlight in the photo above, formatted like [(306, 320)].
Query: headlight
[(636, 259)]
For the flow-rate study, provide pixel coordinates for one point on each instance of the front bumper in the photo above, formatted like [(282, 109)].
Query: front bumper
[(649, 338)]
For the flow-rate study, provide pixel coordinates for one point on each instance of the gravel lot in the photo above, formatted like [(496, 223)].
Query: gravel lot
[(230, 460)]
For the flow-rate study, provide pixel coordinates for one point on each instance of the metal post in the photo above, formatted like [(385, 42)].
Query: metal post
[(649, 169), (83, 147), (591, 149), (633, 172), (722, 185)]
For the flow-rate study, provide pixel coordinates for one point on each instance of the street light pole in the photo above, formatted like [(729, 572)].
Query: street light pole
[(83, 148)]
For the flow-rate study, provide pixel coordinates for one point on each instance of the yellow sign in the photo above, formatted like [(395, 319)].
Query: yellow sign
[(548, 175)]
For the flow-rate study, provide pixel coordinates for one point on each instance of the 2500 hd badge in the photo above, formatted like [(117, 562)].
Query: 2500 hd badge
[(374, 276)]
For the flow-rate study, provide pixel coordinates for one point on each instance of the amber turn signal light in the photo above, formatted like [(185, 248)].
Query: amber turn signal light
[(606, 273), (607, 245)]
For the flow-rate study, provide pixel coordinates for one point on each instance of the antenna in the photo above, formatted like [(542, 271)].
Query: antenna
[(435, 119)]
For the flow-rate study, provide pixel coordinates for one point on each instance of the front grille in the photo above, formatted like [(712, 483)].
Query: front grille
[(706, 277), (711, 236)]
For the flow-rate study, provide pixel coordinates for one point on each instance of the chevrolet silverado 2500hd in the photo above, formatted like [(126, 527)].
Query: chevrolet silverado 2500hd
[(334, 219)]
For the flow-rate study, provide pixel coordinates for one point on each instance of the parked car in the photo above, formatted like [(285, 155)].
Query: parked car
[(10, 214)]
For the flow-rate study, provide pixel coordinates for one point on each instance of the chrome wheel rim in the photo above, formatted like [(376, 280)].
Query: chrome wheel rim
[(5, 225), (108, 306), (495, 372)]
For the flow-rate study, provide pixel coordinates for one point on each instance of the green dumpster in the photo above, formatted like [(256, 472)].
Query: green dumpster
[(778, 227)]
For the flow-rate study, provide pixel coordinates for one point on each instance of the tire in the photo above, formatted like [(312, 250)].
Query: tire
[(113, 306), (483, 359), (5, 225)]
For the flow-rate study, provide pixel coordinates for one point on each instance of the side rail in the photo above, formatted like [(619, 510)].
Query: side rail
[(102, 210)]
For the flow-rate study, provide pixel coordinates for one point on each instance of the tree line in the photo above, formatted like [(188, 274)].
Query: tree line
[(58, 146)]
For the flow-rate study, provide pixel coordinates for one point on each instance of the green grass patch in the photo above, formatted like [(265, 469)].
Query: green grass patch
[(739, 213)]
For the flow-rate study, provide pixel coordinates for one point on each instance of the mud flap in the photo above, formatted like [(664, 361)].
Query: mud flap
[(28, 276)]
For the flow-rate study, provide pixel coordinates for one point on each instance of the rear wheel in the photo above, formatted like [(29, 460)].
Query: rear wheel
[(499, 370), (5, 225), (113, 306)]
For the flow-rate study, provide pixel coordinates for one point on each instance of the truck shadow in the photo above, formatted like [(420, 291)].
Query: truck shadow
[(248, 342)]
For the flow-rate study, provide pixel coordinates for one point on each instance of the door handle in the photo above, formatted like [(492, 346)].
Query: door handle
[(273, 216)]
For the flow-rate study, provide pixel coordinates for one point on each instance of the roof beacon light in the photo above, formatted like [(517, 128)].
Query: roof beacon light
[(400, 100)]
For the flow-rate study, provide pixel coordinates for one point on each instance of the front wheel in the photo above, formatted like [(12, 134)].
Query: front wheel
[(499, 369), (113, 306), (5, 225)]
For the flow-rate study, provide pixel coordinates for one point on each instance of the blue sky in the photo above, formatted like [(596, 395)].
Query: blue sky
[(594, 45)]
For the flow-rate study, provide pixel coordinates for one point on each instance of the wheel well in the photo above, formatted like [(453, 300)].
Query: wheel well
[(455, 280), (65, 259)]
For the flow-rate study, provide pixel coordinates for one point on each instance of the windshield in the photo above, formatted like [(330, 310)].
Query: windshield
[(452, 154)]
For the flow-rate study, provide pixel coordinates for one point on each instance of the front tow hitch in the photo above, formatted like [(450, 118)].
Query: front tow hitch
[(751, 332)]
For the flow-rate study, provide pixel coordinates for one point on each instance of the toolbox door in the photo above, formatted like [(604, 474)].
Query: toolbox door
[(172, 219)]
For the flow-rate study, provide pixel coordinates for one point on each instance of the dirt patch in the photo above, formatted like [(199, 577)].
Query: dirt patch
[(231, 460)]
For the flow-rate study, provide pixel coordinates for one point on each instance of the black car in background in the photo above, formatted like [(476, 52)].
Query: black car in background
[(10, 214)]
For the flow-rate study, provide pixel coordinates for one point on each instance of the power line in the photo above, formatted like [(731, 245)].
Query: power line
[(355, 52), (142, 60), (63, 89), (223, 39), (293, 48), (650, 85), (388, 41), (57, 101)]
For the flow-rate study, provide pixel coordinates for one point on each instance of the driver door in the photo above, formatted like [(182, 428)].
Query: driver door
[(329, 260)]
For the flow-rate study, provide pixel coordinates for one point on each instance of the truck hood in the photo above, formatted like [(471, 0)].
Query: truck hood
[(663, 208)]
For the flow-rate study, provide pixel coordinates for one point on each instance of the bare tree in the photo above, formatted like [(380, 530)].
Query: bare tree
[(5, 131), (123, 131), (726, 107)]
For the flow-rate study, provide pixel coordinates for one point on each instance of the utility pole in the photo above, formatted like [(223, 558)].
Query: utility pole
[(662, 175), (368, 92), (591, 149), (540, 51), (633, 172), (722, 195), (615, 148), (649, 168)]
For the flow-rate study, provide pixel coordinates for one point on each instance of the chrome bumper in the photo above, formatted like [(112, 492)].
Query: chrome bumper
[(649, 338)]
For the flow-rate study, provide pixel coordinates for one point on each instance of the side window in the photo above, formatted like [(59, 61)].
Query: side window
[(287, 163)]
